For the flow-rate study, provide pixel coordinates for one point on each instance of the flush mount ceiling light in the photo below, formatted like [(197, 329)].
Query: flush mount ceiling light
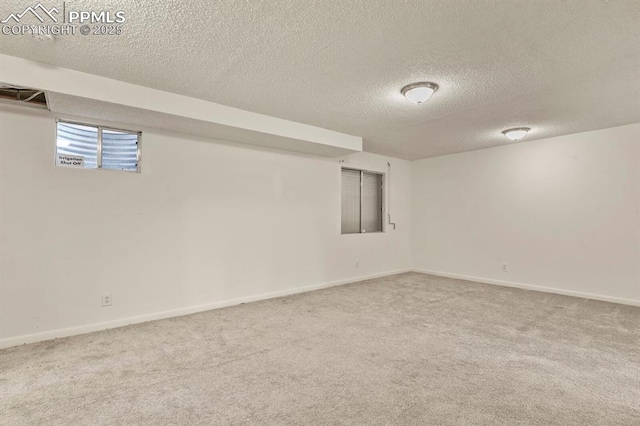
[(419, 92), (517, 133)]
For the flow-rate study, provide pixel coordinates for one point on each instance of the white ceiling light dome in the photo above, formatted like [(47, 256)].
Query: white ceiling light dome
[(419, 92), (516, 133)]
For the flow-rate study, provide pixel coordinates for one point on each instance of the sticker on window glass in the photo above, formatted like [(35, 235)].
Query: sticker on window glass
[(70, 161)]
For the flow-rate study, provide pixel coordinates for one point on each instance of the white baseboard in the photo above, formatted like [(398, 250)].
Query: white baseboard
[(98, 326), (600, 297)]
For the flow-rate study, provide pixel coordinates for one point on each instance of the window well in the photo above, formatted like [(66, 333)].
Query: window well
[(96, 147)]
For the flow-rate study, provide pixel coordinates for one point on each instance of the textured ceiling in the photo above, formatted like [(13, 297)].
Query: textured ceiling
[(556, 66)]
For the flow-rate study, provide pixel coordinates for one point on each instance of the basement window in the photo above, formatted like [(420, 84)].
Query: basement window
[(362, 204), (86, 146)]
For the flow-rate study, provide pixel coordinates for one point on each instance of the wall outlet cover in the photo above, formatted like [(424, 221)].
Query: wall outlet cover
[(106, 299)]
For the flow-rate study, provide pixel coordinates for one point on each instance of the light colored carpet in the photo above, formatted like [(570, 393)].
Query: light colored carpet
[(410, 349)]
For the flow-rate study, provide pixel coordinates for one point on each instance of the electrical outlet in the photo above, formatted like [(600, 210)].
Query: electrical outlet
[(357, 264), (106, 299), (504, 267)]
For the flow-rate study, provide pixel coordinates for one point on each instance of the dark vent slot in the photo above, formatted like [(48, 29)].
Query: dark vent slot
[(23, 95)]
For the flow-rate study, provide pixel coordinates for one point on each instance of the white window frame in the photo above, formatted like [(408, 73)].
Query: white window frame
[(100, 128), (383, 198)]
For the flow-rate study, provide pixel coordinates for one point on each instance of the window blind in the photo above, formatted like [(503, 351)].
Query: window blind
[(371, 210), (350, 201)]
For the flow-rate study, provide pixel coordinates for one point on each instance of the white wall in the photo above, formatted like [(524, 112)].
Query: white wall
[(210, 223), (205, 223), (563, 213)]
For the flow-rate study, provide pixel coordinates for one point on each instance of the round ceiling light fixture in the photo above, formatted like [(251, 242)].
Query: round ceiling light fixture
[(516, 133), (419, 92)]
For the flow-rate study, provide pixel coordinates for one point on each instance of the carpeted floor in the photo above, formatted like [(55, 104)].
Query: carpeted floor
[(410, 349)]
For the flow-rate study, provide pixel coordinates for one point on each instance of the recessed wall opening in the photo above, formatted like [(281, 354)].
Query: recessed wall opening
[(25, 96)]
